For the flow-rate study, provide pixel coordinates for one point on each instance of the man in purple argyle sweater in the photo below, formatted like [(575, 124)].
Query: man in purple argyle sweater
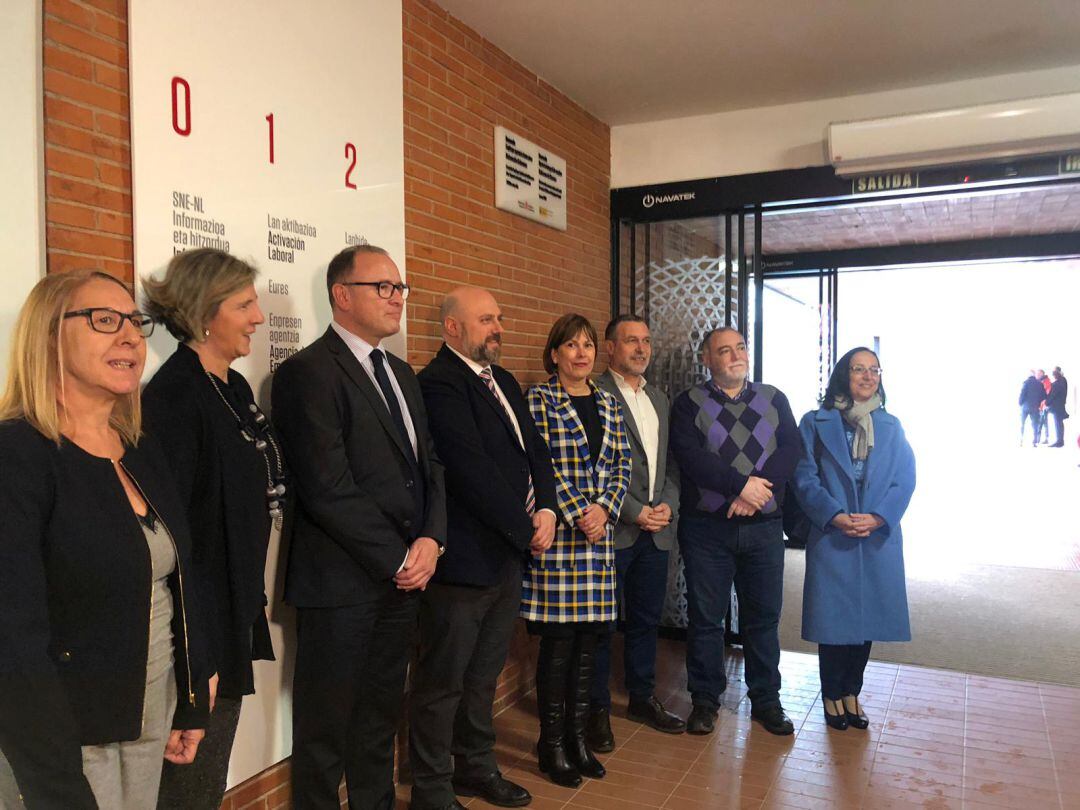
[(737, 445)]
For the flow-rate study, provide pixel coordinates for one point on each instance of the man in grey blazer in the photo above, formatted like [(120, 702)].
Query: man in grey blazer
[(643, 535)]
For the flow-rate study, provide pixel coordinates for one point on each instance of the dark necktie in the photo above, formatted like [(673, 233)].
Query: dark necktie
[(383, 379), (530, 496)]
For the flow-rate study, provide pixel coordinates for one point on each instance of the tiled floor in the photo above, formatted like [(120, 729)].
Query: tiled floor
[(937, 739)]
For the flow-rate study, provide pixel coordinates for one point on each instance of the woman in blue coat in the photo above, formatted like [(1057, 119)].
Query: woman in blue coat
[(854, 482)]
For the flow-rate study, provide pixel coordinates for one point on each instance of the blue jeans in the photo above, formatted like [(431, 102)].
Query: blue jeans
[(640, 584), (717, 552)]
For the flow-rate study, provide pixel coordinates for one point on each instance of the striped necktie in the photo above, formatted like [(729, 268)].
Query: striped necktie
[(485, 375)]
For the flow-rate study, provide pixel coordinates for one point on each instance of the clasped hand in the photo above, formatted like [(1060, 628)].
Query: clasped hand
[(543, 523), (857, 524), (755, 494), (419, 565), (654, 518), (593, 522)]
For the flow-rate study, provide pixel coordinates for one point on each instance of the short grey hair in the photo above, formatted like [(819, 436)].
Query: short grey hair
[(195, 284)]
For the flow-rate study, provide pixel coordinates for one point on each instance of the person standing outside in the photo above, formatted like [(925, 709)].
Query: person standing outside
[(737, 446), (500, 505), (1031, 396), (643, 535), (1055, 404), (369, 526)]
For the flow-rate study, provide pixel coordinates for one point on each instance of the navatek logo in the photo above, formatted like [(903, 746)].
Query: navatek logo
[(649, 200)]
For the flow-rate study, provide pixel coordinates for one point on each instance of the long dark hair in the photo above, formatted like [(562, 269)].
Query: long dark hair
[(839, 387)]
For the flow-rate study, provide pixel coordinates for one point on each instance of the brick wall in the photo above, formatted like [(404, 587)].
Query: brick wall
[(87, 136), (457, 88)]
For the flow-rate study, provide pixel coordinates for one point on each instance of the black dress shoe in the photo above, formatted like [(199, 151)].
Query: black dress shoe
[(856, 719), (495, 790), (598, 734), (838, 719), (454, 805), (652, 713), (774, 720), (702, 720)]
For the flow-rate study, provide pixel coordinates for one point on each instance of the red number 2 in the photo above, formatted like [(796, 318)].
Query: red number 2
[(185, 130), (350, 151), (270, 121)]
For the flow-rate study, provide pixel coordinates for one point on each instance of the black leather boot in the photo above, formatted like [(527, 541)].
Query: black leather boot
[(578, 687), (552, 665)]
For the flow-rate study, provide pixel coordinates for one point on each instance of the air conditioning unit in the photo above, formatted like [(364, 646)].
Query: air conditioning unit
[(986, 132)]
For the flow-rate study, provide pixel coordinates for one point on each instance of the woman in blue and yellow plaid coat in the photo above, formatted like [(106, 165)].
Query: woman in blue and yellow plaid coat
[(568, 592)]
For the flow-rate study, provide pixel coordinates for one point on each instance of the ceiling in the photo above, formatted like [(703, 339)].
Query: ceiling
[(926, 220), (647, 60)]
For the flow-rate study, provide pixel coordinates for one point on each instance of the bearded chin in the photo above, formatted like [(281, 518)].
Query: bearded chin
[(482, 354)]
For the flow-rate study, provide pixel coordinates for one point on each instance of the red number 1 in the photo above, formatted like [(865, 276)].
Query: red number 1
[(270, 121), (350, 151)]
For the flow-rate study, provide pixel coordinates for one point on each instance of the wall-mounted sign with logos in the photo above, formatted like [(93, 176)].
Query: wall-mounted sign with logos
[(529, 181)]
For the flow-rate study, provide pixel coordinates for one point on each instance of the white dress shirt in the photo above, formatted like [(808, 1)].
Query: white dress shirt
[(648, 423), (362, 350), (476, 369)]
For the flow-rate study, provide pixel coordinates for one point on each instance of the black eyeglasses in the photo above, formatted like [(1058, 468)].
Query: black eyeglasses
[(109, 321), (385, 289)]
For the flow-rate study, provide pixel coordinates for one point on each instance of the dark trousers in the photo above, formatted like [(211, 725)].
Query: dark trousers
[(1059, 428), (1029, 415), (347, 700), (717, 552), (842, 667), (465, 635), (201, 785), (640, 584)]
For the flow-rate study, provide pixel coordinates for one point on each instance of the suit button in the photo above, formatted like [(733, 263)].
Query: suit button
[(65, 656), (407, 524), (524, 469), (408, 483), (510, 535)]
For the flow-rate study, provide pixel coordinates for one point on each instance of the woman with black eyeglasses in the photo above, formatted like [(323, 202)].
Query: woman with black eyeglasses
[(854, 481), (229, 469), (101, 665)]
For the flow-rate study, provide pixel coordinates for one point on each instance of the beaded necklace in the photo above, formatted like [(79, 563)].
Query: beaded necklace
[(275, 473)]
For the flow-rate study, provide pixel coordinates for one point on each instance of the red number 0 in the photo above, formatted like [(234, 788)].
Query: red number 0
[(185, 130), (270, 120), (350, 151)]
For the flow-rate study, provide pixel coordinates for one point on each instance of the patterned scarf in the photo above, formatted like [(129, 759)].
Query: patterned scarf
[(858, 416)]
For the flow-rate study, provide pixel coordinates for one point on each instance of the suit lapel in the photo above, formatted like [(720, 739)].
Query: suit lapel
[(473, 379), (608, 417), (833, 439), (884, 426), (568, 416), (607, 383), (355, 372)]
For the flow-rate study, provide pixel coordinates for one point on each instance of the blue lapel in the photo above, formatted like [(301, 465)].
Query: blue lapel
[(884, 428), (568, 416), (830, 427)]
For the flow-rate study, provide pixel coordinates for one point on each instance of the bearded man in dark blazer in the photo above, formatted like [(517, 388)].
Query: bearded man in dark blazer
[(370, 523), (500, 500)]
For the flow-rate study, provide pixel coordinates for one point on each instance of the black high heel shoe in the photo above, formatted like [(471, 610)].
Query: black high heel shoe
[(856, 718), (839, 720)]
